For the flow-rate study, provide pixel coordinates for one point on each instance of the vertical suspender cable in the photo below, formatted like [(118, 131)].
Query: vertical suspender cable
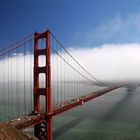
[(24, 78), (30, 78)]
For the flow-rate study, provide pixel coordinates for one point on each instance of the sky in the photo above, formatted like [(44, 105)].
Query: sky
[(75, 22), (106, 32)]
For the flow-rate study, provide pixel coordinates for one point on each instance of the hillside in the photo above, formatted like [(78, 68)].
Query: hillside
[(8, 132)]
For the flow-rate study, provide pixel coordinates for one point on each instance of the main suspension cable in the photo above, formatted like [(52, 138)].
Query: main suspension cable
[(101, 83)]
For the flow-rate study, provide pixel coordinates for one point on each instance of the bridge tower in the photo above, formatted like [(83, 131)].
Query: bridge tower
[(43, 131), (131, 87)]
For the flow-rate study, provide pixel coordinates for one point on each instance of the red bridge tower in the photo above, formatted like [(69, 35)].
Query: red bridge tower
[(44, 129)]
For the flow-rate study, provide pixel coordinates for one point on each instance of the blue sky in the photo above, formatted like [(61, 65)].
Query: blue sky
[(77, 23)]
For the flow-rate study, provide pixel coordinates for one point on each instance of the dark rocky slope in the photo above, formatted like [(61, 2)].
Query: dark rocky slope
[(8, 132)]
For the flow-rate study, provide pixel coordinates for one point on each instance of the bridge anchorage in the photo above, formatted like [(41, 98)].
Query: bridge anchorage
[(66, 84)]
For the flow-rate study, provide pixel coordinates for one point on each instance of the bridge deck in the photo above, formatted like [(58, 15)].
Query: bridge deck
[(31, 120)]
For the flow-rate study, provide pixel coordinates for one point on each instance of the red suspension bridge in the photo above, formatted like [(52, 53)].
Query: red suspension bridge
[(39, 79)]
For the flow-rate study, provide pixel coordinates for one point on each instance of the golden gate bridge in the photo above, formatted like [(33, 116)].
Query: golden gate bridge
[(39, 79)]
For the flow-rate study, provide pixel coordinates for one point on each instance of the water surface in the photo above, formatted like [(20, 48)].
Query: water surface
[(113, 116)]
